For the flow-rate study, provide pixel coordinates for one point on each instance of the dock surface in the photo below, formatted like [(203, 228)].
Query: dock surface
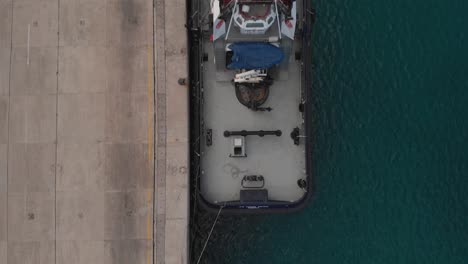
[(93, 132)]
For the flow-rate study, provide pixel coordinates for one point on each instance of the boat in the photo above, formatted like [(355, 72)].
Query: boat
[(251, 112)]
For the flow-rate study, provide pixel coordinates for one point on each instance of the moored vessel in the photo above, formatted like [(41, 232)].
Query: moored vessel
[(250, 104)]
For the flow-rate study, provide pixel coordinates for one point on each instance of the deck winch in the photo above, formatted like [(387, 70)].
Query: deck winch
[(252, 82), (252, 89)]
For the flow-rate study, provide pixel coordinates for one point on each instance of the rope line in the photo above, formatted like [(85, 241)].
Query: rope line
[(209, 235)]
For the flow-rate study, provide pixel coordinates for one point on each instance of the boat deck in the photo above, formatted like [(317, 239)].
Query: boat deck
[(277, 159)]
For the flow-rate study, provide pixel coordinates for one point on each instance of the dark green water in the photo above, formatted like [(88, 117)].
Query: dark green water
[(390, 144)]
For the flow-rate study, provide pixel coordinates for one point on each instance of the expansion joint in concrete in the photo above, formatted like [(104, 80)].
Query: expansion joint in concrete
[(56, 131), (8, 126)]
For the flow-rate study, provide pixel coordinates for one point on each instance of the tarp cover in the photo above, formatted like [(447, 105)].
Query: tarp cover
[(254, 55)]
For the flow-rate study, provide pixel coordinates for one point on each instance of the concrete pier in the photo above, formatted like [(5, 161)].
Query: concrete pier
[(93, 143), (172, 180)]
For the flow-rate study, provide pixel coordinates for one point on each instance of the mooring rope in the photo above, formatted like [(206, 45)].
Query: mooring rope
[(209, 234)]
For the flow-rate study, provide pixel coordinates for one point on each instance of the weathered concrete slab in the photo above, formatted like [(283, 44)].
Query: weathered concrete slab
[(82, 69), (4, 119), (130, 23), (3, 251), (80, 252), (5, 44), (126, 215), (177, 199), (177, 95), (175, 42), (31, 252), (30, 209), (172, 202), (76, 133), (176, 248), (33, 71), (80, 216), (127, 168), (105, 252), (127, 69), (138, 251), (114, 117), (32, 119), (40, 18), (3, 218), (5, 70), (160, 132), (36, 21), (83, 23), (31, 216), (5, 23), (80, 167), (81, 118), (5, 47), (177, 184), (32, 167), (126, 117), (104, 154), (3, 169)]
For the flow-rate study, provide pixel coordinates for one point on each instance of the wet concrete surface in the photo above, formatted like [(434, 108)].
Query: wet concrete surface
[(77, 119)]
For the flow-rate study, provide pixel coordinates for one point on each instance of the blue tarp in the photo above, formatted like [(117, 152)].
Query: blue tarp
[(254, 55)]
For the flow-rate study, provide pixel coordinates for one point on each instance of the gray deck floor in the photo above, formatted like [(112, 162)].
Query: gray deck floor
[(276, 158)]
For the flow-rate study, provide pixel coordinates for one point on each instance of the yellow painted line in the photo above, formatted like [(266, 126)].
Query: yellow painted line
[(148, 230), (149, 222)]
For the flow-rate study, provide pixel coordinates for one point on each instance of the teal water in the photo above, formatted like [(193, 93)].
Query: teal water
[(390, 144)]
